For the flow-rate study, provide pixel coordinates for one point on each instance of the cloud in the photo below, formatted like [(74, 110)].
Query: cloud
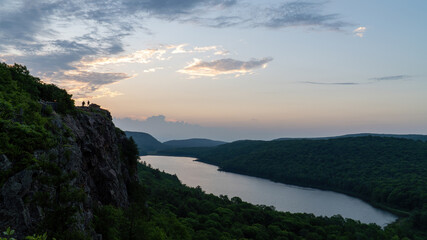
[(299, 13), (378, 79), (163, 128), (79, 68), (173, 9), (56, 36), (360, 31), (218, 50), (84, 92), (141, 56), (85, 84), (392, 78), (20, 21), (95, 78), (223, 66), (331, 83), (54, 56), (306, 14), (26, 25), (216, 22), (153, 69)]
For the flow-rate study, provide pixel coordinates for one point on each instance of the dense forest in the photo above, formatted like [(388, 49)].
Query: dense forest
[(147, 144), (42, 183), (405, 136), (387, 172), (163, 208), (24, 122)]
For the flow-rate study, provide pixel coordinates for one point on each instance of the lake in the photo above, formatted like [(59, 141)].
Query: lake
[(283, 197)]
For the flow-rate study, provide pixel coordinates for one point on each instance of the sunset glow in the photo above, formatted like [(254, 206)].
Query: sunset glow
[(235, 69)]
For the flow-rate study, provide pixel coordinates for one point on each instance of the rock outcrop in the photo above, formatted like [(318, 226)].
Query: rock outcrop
[(89, 146)]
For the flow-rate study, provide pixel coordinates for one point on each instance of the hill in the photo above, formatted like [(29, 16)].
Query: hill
[(146, 143), (383, 170), (58, 163), (193, 142), (387, 172), (405, 136), (192, 214)]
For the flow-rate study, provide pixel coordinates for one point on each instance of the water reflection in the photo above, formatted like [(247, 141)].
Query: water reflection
[(261, 191)]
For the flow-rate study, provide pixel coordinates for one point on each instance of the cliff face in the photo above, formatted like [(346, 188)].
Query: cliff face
[(97, 157), (88, 153)]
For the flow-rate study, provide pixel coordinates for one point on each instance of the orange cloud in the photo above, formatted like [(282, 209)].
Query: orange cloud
[(223, 66)]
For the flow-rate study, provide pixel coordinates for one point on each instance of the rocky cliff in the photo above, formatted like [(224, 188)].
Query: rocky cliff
[(86, 169)]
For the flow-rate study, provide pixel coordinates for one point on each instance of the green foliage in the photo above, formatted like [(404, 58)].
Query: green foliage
[(60, 205), (38, 237), (8, 234), (25, 128), (388, 171), (110, 222), (20, 77), (169, 210), (51, 93), (129, 154)]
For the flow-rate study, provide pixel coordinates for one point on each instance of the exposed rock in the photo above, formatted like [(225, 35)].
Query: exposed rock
[(5, 164), (89, 144), (96, 157), (14, 209)]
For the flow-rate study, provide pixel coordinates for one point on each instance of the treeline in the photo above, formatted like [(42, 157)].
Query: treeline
[(24, 122), (163, 208), (16, 78), (388, 172), (382, 170)]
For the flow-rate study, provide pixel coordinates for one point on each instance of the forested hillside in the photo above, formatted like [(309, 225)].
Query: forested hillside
[(388, 172), (174, 211), (193, 142), (405, 136), (58, 163), (24, 122), (146, 143)]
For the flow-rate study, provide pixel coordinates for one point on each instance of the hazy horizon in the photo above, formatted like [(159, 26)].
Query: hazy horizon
[(163, 130), (231, 69)]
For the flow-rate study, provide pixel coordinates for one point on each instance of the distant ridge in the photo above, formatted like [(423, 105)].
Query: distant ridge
[(193, 142), (405, 136), (146, 143)]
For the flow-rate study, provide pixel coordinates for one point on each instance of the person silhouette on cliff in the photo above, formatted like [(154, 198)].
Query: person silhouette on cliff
[(83, 103)]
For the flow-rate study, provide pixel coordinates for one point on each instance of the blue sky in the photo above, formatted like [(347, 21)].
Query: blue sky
[(231, 69)]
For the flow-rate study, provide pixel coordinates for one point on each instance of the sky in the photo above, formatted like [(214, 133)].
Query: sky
[(231, 69)]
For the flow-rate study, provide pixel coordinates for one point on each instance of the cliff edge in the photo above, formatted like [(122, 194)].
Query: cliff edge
[(87, 168)]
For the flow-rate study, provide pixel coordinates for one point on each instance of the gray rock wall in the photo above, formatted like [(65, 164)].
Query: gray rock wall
[(89, 145)]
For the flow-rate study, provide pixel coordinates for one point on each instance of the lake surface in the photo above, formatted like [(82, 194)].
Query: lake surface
[(283, 197)]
